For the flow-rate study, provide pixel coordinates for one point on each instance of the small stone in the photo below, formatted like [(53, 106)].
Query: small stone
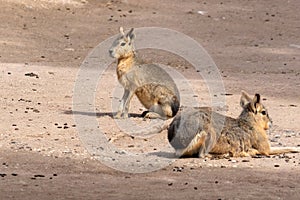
[(245, 160), (39, 176), (31, 74), (178, 169), (35, 110)]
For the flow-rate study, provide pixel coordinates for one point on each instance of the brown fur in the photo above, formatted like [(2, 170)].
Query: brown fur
[(124, 65), (244, 136), (151, 84)]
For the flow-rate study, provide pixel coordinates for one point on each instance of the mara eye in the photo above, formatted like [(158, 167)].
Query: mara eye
[(123, 44), (263, 112)]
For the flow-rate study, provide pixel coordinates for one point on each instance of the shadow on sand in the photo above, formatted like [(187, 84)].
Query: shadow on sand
[(99, 114)]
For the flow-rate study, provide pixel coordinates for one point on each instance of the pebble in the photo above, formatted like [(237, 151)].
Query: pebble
[(31, 74), (39, 176), (36, 110), (178, 169)]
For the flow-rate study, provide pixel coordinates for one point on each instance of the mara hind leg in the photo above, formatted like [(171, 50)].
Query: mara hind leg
[(154, 112), (160, 101), (162, 111), (194, 145), (207, 146)]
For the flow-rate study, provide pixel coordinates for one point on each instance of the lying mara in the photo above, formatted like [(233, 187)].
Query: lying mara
[(201, 131)]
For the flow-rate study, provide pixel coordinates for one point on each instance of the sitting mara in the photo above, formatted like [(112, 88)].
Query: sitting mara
[(200, 132), (151, 84)]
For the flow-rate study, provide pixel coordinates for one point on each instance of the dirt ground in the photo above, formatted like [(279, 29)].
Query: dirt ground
[(255, 45)]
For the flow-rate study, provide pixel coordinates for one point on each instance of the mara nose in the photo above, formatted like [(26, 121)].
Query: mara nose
[(110, 51)]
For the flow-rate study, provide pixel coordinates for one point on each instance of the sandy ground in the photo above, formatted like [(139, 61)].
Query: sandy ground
[(43, 154)]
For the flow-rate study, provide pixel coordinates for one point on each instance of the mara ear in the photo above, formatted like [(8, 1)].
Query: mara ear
[(122, 31), (245, 99), (255, 101), (130, 35), (256, 98)]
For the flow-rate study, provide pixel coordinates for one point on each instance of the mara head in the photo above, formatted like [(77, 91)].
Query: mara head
[(123, 45), (255, 111)]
